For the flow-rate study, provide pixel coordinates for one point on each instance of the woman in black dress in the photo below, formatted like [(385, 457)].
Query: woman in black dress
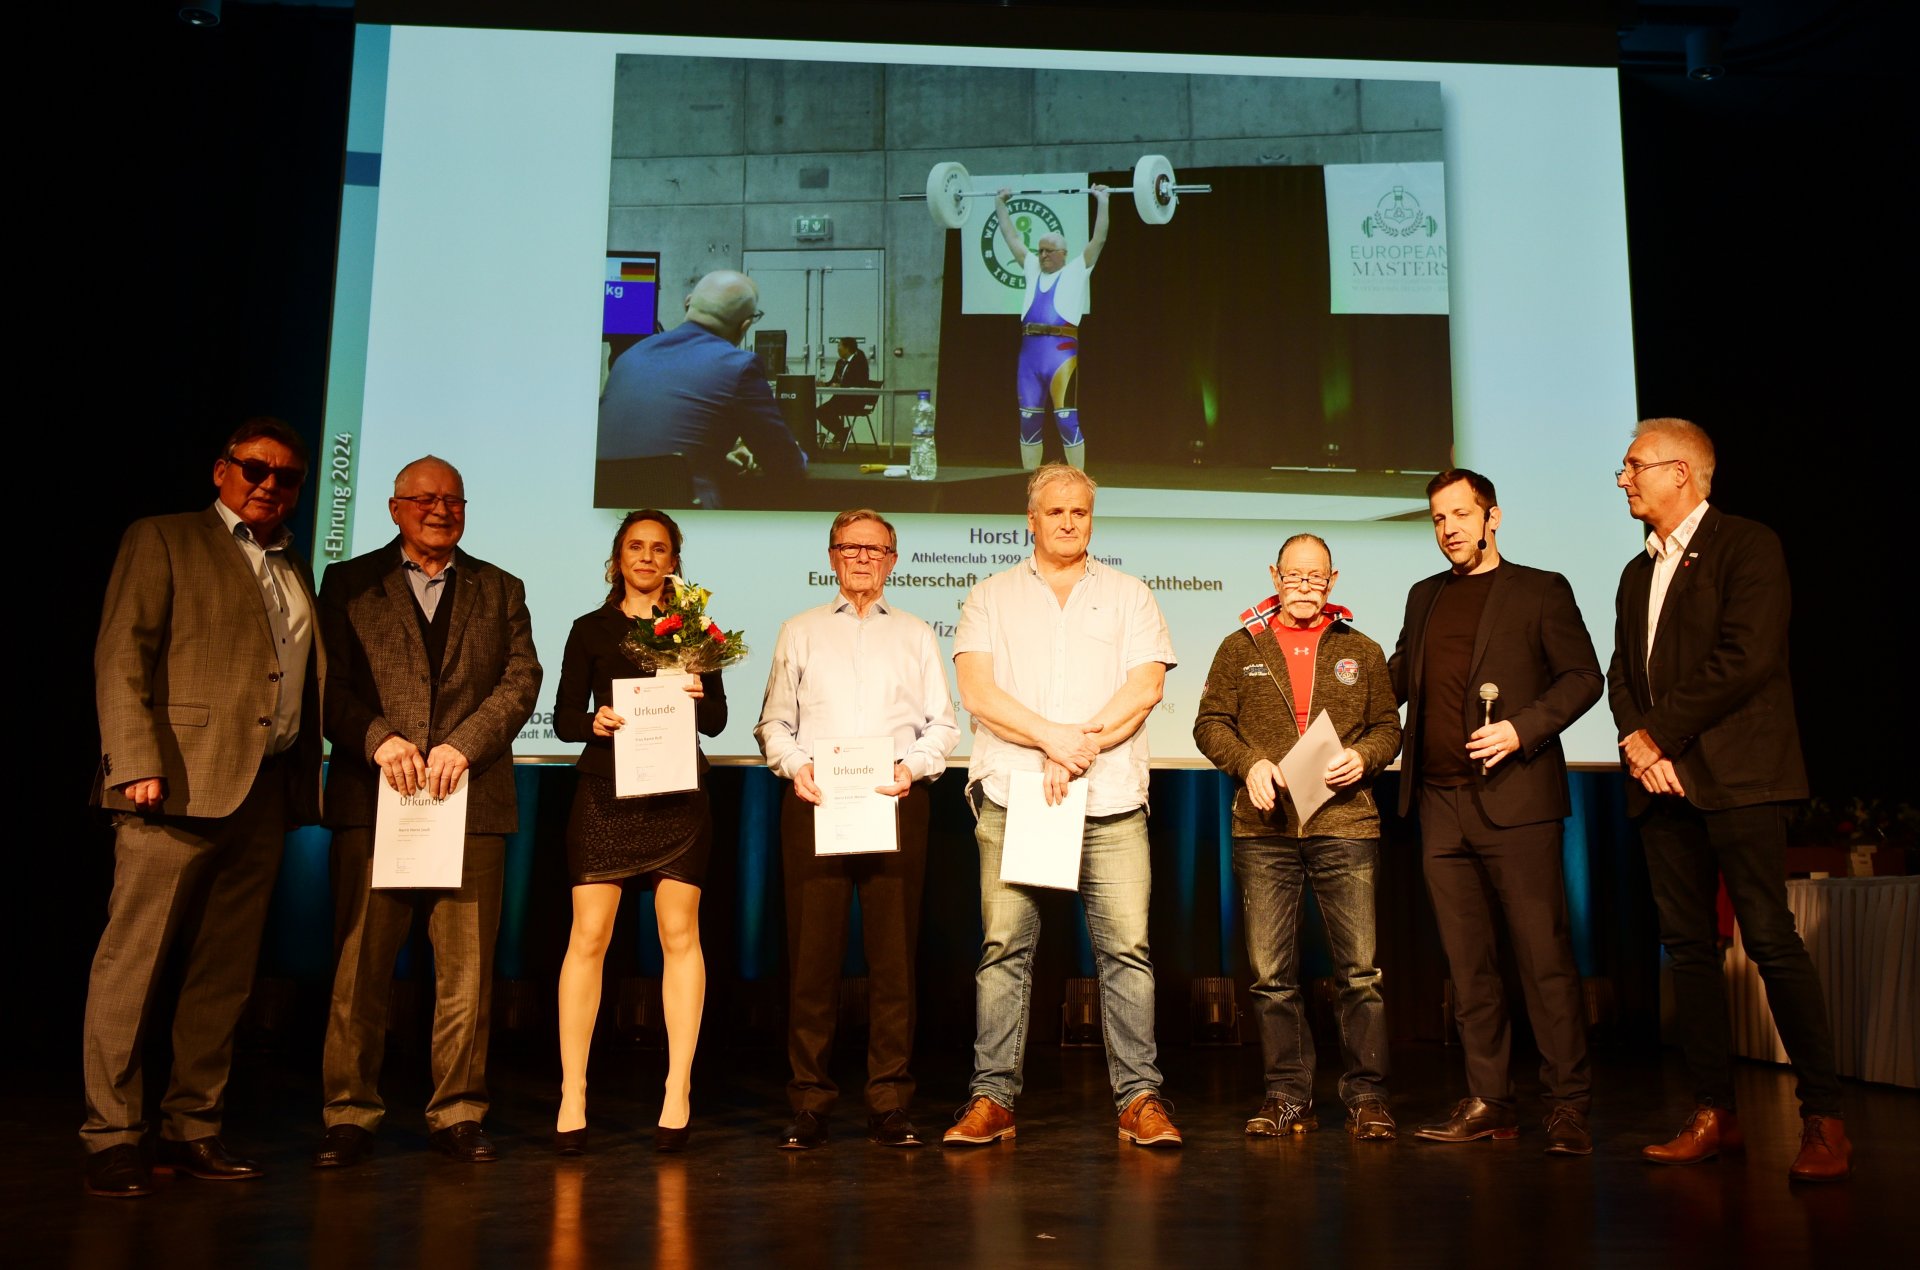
[(613, 841)]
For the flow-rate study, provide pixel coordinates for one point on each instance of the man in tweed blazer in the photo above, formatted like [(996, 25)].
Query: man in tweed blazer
[(436, 674), (207, 678)]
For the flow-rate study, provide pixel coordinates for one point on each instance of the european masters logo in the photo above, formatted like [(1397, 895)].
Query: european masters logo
[(1031, 219), (1398, 215)]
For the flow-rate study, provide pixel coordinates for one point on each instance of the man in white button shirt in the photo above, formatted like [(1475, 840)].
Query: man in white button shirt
[(1060, 660), (852, 668), (207, 680), (1704, 707)]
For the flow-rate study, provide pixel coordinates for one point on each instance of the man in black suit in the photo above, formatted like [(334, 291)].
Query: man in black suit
[(1701, 697), (835, 414), (1493, 790)]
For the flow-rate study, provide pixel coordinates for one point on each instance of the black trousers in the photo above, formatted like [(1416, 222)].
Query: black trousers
[(1687, 850), (820, 891), (1471, 865)]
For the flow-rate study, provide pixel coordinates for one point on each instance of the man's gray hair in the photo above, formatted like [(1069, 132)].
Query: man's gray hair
[(422, 461), (1047, 473), (1692, 443), (1313, 538), (853, 514), (725, 297)]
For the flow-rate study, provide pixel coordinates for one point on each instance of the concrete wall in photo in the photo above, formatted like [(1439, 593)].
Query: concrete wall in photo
[(714, 157)]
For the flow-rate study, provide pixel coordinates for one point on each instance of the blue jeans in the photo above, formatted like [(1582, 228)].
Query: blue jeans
[(1271, 872), (1115, 882)]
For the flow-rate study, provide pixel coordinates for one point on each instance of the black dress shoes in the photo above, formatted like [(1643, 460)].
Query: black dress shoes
[(206, 1158), (1567, 1132), (118, 1173), (893, 1129), (343, 1146), (671, 1141), (1473, 1119), (465, 1142), (570, 1141), (807, 1131)]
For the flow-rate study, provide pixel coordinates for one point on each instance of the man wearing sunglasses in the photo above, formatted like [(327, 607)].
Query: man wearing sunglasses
[(437, 674), (1494, 664), (207, 671), (694, 391), (855, 667)]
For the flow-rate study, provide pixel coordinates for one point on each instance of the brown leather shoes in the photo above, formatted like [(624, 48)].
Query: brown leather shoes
[(1473, 1119), (1145, 1123), (1567, 1132), (1825, 1154), (1368, 1120), (118, 1172), (1708, 1132), (981, 1121)]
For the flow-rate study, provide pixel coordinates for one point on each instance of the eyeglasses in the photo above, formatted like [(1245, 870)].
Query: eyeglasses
[(1637, 467), (1308, 581), (427, 502), (256, 472), (856, 550)]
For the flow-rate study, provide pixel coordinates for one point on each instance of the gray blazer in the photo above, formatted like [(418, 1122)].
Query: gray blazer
[(186, 674), (489, 681)]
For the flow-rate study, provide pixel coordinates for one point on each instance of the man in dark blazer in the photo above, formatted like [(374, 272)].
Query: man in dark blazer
[(1492, 788), (207, 678), (694, 391), (435, 676), (849, 371), (1704, 707)]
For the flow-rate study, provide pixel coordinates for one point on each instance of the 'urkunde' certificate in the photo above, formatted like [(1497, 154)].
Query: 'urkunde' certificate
[(654, 750), (419, 840), (852, 816), (1042, 846)]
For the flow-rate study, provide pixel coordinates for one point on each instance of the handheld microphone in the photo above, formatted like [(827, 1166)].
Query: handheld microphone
[(1489, 693)]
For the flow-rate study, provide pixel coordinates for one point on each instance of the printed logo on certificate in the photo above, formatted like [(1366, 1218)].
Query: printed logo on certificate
[(654, 751), (419, 840), (853, 817)]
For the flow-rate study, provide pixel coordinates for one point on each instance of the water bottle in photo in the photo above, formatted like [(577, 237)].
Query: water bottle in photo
[(924, 463)]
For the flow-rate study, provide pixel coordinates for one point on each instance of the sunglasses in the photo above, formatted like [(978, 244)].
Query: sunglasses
[(256, 472)]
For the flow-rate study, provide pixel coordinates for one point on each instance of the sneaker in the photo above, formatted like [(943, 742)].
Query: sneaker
[(1280, 1116), (1368, 1120), (1146, 1122)]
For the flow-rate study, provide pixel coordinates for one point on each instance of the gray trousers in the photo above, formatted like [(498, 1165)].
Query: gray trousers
[(369, 927), (208, 881)]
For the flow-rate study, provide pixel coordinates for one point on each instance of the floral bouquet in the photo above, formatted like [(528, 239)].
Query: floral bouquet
[(681, 637)]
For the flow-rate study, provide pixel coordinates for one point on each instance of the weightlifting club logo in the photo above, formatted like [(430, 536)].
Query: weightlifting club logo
[(1030, 220), (1398, 215)]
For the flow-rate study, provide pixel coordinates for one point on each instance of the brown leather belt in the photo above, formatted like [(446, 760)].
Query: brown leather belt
[(1035, 328)]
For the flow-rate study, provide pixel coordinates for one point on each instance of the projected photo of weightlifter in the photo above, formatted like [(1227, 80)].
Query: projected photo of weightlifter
[(906, 286)]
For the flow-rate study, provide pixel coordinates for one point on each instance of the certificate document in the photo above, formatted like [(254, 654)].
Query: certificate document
[(1305, 768), (654, 750), (1042, 846), (419, 840), (851, 816)]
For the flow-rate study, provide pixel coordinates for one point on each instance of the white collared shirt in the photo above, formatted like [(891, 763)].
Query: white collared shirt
[(837, 675), (1064, 662), (289, 617), (1666, 562)]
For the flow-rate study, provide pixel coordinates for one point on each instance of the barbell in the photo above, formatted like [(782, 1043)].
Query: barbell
[(1155, 192)]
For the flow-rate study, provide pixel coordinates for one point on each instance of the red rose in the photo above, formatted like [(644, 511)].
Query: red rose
[(668, 624), (715, 634)]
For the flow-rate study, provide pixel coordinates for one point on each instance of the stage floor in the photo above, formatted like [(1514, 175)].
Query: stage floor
[(1065, 1192)]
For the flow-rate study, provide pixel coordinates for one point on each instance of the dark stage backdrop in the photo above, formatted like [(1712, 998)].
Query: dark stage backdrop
[(1210, 341)]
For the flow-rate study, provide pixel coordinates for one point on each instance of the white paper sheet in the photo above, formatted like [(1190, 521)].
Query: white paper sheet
[(1042, 846), (1305, 768), (418, 840), (851, 817), (654, 751)]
